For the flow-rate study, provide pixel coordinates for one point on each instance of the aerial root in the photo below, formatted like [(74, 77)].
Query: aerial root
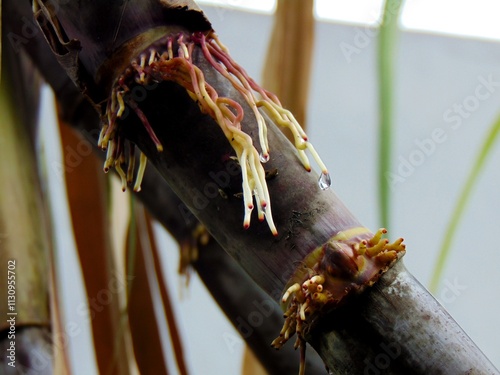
[(171, 60)]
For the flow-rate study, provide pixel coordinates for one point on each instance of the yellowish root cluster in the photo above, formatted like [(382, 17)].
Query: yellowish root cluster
[(345, 265)]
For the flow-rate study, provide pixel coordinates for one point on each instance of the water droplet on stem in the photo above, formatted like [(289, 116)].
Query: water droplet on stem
[(264, 158), (324, 181)]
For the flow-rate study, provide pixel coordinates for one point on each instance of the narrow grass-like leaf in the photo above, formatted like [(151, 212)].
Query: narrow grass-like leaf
[(386, 66), (461, 205)]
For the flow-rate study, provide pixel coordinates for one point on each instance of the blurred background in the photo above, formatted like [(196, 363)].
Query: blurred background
[(447, 96)]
